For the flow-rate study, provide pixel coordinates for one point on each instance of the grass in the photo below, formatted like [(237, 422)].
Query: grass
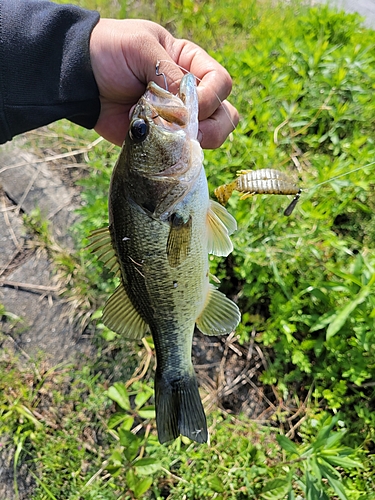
[(303, 83)]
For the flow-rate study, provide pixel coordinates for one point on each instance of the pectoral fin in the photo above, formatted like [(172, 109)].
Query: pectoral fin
[(179, 240), (220, 225), (101, 246), (220, 315), (120, 315)]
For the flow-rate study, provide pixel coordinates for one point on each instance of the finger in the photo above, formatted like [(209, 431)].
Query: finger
[(166, 66), (124, 54), (214, 130), (211, 93), (214, 87), (215, 83), (113, 122)]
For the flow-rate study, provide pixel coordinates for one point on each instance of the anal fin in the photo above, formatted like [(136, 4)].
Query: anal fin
[(120, 315), (220, 315)]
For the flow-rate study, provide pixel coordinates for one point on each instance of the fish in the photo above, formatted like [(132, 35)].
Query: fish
[(162, 228)]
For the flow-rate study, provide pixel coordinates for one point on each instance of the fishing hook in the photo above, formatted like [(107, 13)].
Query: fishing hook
[(161, 74)]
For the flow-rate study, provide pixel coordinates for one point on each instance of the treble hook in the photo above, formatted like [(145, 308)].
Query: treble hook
[(161, 74)]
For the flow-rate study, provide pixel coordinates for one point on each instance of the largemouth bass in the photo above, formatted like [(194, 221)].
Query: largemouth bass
[(162, 226)]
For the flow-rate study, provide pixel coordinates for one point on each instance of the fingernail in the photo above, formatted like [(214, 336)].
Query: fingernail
[(200, 136)]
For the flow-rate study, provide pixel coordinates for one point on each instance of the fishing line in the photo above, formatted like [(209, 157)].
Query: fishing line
[(296, 198), (342, 175)]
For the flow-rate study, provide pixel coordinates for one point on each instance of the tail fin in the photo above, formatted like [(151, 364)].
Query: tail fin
[(179, 409)]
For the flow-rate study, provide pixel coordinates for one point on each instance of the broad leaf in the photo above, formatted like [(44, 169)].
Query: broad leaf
[(147, 412), (118, 393), (127, 423), (276, 489), (130, 442), (141, 486), (116, 419), (286, 444), (142, 397), (216, 484), (147, 466)]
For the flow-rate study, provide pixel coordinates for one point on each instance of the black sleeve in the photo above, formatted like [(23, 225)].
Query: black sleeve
[(45, 69)]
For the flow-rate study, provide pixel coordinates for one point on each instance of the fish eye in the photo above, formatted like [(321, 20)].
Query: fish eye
[(138, 130)]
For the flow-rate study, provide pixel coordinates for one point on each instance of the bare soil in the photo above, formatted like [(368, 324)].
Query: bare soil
[(28, 289)]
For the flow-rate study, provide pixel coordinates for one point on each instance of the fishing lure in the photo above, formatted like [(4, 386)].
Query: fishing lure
[(263, 181)]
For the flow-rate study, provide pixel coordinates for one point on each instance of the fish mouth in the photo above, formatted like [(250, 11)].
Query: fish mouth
[(167, 109)]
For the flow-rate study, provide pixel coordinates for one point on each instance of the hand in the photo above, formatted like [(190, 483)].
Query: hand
[(123, 57)]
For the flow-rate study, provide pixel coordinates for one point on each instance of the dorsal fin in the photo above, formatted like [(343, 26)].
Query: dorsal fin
[(101, 245), (220, 225)]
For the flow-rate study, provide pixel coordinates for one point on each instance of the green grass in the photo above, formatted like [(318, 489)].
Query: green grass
[(304, 84)]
